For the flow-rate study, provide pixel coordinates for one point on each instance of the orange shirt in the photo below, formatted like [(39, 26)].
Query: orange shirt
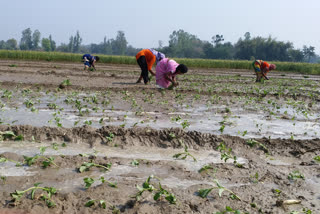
[(150, 58), (265, 67)]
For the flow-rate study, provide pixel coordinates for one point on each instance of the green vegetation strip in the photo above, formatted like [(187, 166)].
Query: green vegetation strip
[(305, 68)]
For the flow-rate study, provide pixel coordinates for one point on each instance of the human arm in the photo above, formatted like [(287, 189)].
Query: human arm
[(171, 79), (152, 72), (93, 64)]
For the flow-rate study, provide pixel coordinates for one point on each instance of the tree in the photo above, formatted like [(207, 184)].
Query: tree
[(76, 43), (119, 45), (35, 40), (217, 39), (52, 43), (45, 43), (247, 36), (70, 45), (308, 52), (11, 44), (26, 40), (184, 44), (2, 44), (295, 55)]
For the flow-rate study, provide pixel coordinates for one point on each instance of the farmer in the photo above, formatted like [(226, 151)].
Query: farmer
[(166, 72), (89, 61), (261, 69), (146, 58)]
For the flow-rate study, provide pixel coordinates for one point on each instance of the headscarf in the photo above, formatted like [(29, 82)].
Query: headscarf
[(159, 55), (272, 66)]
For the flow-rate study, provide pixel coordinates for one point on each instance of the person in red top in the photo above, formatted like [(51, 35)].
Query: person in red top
[(145, 59), (261, 69)]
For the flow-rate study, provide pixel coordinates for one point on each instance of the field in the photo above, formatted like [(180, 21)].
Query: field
[(96, 142)]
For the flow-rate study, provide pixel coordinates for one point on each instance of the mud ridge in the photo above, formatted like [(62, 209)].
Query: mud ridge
[(166, 138)]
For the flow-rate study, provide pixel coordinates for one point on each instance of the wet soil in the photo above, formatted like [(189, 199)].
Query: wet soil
[(270, 129)]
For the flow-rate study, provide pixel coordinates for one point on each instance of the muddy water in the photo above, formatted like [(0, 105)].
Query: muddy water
[(118, 172), (288, 122)]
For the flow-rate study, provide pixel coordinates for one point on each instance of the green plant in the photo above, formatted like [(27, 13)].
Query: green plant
[(3, 178), (185, 154), (47, 161), (185, 124), (65, 83), (16, 196), (225, 154), (109, 137), (221, 129), (277, 192), (6, 135), (135, 162), (317, 158), (103, 205), (255, 177), (86, 166), (203, 193), (205, 168), (3, 160), (252, 143), (160, 192), (229, 210), (294, 175), (110, 184), (88, 182)]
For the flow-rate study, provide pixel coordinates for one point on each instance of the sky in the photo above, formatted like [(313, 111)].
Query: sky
[(145, 22)]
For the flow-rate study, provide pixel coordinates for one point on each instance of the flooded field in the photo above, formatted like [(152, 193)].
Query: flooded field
[(255, 144)]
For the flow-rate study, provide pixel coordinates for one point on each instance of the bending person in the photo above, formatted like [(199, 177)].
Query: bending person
[(145, 59), (89, 61), (261, 69), (166, 72)]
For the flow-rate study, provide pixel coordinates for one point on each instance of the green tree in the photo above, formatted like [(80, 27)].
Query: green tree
[(52, 43), (26, 40), (184, 44), (36, 39), (70, 45), (76, 43), (295, 55), (308, 52), (119, 45), (217, 39), (45, 43), (11, 44), (2, 44)]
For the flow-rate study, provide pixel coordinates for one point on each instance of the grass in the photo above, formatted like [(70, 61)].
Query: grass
[(305, 68)]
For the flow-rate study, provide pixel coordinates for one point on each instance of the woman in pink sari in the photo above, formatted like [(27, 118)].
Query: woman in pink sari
[(166, 72)]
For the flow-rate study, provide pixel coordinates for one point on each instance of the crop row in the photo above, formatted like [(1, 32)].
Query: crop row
[(306, 68)]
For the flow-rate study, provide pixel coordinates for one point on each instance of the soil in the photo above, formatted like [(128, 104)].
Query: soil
[(270, 132)]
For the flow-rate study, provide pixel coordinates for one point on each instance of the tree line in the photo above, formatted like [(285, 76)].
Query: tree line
[(181, 44)]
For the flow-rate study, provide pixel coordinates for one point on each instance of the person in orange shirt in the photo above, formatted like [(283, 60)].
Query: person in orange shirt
[(261, 69), (145, 59)]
